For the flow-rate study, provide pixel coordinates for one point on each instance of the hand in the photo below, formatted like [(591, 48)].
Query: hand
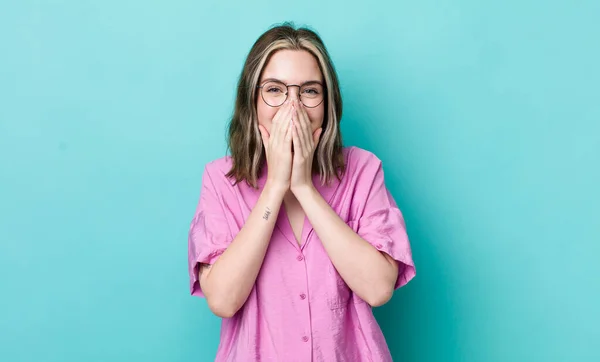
[(278, 147), (304, 143)]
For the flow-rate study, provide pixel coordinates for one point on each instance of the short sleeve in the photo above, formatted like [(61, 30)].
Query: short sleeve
[(209, 234), (382, 225)]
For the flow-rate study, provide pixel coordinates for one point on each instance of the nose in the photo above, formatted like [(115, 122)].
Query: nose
[(294, 93)]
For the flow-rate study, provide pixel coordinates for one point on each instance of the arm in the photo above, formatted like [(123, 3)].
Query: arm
[(370, 273), (228, 282)]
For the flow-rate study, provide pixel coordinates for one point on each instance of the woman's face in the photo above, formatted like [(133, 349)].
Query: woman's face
[(291, 67)]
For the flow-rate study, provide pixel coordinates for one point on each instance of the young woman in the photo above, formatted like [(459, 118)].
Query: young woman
[(295, 237)]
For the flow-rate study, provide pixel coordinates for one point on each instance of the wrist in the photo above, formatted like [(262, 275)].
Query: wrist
[(275, 190), (304, 191)]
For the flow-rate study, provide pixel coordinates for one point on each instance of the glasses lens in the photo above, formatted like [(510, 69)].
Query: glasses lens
[(311, 94), (274, 93)]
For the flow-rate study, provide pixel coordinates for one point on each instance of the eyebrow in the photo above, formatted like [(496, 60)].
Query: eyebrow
[(301, 84)]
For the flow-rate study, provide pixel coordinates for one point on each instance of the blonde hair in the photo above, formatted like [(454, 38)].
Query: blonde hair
[(245, 142)]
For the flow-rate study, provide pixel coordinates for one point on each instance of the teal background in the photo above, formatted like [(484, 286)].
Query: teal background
[(485, 114)]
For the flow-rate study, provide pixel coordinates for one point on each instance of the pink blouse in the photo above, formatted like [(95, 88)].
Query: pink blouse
[(300, 308)]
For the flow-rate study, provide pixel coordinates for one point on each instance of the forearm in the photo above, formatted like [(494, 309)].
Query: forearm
[(367, 271), (228, 282)]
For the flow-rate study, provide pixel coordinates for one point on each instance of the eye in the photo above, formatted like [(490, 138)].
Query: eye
[(312, 91), (273, 90)]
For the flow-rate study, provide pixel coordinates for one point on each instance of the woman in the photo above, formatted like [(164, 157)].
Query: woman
[(295, 237)]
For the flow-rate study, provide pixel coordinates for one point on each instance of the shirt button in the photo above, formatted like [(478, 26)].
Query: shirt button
[(379, 246), (300, 257), (305, 339), (302, 296)]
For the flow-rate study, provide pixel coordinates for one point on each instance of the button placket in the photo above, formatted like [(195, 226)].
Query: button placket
[(304, 306)]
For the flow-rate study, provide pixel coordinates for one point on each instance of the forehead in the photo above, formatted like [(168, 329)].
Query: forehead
[(292, 67)]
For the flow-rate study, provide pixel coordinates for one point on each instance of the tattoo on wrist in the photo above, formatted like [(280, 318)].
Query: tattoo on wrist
[(267, 214)]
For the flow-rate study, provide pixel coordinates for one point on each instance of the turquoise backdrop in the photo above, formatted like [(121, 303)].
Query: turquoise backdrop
[(485, 114)]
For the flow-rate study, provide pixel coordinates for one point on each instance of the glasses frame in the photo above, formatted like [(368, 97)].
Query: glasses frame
[(288, 92)]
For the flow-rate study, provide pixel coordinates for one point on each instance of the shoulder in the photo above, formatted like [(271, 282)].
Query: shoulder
[(220, 165), (357, 154), (216, 171), (360, 162)]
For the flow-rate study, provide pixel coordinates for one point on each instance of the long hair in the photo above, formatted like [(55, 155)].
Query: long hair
[(245, 142)]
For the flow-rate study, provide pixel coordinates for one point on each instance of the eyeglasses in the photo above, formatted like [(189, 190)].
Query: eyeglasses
[(275, 93)]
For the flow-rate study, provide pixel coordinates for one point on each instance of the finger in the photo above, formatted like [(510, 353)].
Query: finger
[(281, 111), (271, 139), (276, 122), (296, 140), (297, 133), (288, 137), (284, 122), (306, 131)]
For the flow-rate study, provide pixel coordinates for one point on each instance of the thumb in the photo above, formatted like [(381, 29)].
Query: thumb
[(264, 134), (317, 135)]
